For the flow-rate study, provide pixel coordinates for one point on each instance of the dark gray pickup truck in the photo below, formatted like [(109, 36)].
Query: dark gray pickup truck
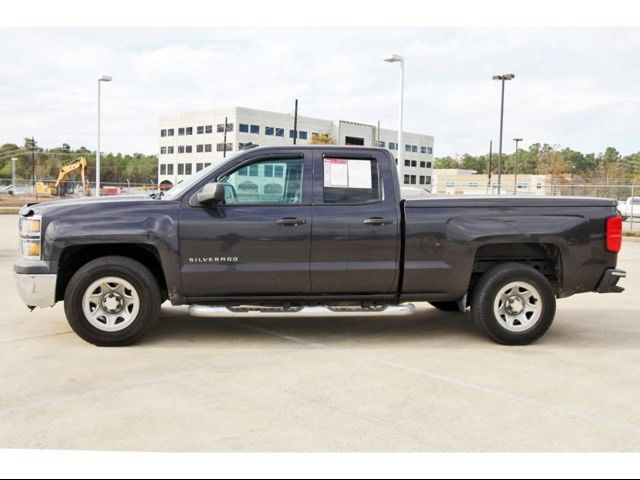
[(315, 231)]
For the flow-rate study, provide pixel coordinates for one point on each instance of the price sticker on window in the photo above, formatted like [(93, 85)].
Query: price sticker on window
[(347, 173)]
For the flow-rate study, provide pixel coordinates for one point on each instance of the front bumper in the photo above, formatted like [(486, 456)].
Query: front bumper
[(36, 290), (609, 282)]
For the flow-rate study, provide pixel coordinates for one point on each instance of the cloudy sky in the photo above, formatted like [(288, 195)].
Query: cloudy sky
[(577, 87)]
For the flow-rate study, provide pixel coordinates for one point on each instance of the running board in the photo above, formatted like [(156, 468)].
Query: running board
[(221, 311)]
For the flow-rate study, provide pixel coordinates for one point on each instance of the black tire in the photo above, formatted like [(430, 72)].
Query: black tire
[(446, 306), (133, 272), (487, 290)]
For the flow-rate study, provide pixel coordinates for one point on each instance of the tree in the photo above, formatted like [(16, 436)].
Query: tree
[(322, 139), (445, 162)]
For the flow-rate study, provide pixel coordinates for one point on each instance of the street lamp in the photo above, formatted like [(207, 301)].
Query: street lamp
[(502, 78), (392, 59), (515, 167), (103, 78)]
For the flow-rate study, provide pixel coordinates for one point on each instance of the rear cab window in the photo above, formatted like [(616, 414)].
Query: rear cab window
[(350, 180)]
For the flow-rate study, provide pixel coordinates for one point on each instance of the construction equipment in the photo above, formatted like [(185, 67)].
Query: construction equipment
[(57, 188)]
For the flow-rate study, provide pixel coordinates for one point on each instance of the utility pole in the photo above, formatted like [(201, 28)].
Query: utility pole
[(502, 78), (489, 188), (515, 167), (224, 144), (13, 172), (378, 135), (33, 166), (295, 124)]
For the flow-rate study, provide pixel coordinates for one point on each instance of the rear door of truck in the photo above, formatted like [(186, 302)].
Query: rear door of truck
[(355, 239)]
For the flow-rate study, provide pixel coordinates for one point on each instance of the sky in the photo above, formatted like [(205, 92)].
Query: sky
[(574, 87)]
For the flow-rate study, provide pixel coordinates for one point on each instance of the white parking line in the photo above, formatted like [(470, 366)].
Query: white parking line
[(605, 421)]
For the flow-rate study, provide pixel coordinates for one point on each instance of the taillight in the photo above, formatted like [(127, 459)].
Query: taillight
[(614, 234)]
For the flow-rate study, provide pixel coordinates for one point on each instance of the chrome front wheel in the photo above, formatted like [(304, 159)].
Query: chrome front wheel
[(111, 304)]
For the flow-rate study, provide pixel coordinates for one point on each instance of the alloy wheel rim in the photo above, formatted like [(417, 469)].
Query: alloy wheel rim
[(518, 306), (111, 304)]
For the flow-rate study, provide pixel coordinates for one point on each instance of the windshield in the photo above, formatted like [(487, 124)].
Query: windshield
[(186, 184)]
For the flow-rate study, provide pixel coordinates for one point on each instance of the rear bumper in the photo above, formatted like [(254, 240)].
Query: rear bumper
[(609, 281), (36, 290)]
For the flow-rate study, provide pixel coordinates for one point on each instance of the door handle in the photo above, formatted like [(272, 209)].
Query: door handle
[(377, 221), (291, 221)]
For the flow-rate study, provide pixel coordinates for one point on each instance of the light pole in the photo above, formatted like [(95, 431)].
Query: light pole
[(502, 78), (392, 59), (103, 78), (13, 172), (515, 167)]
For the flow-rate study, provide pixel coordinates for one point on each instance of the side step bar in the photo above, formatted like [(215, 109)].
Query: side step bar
[(221, 311)]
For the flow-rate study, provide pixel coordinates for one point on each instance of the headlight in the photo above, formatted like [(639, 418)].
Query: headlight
[(30, 227), (30, 248)]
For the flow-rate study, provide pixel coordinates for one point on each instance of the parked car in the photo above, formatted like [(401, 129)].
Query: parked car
[(320, 230), (630, 207)]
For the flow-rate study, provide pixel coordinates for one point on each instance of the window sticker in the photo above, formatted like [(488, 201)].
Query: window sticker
[(343, 173), (336, 173)]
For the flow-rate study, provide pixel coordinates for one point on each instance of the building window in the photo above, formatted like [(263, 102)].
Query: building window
[(407, 163), (407, 179), (163, 150), (414, 148), (421, 179), (414, 163), (200, 129), (393, 146), (413, 179), (279, 132), (208, 129), (170, 169), (423, 164), (523, 186), (430, 150), (198, 166), (450, 184), (207, 164), (243, 128), (428, 180), (302, 135), (220, 127), (254, 170), (255, 129), (181, 131), (163, 169), (292, 133), (199, 148), (278, 171), (188, 149), (181, 149), (188, 169), (220, 147), (473, 184), (170, 132), (380, 144), (407, 148), (163, 133), (268, 170), (207, 147), (423, 149), (170, 150), (268, 130), (428, 164), (181, 169), (189, 130), (243, 172)]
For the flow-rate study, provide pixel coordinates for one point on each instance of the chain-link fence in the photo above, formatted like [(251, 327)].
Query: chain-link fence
[(46, 190)]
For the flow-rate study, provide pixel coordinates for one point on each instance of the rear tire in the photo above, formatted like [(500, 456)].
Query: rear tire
[(513, 304), (112, 301), (446, 306)]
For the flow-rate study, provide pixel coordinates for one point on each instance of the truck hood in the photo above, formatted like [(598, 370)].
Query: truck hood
[(95, 204), (508, 201)]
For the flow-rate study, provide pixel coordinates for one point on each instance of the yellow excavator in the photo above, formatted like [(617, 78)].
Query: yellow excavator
[(57, 188)]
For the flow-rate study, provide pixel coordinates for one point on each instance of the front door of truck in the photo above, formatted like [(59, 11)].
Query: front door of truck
[(258, 242), (355, 247)]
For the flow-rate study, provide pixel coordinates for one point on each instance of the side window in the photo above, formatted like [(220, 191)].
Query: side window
[(351, 181), (266, 182)]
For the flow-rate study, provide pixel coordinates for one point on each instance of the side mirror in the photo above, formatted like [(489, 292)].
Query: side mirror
[(211, 194)]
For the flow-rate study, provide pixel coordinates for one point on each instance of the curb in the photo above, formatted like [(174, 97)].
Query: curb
[(9, 210), (630, 239)]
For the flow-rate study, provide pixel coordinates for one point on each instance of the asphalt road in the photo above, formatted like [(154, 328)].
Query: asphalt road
[(429, 382)]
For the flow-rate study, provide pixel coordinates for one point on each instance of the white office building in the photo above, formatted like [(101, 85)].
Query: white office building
[(191, 141)]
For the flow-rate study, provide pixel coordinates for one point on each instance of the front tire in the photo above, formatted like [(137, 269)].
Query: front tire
[(513, 304), (112, 301)]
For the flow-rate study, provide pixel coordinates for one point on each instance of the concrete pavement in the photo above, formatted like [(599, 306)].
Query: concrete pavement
[(429, 382)]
